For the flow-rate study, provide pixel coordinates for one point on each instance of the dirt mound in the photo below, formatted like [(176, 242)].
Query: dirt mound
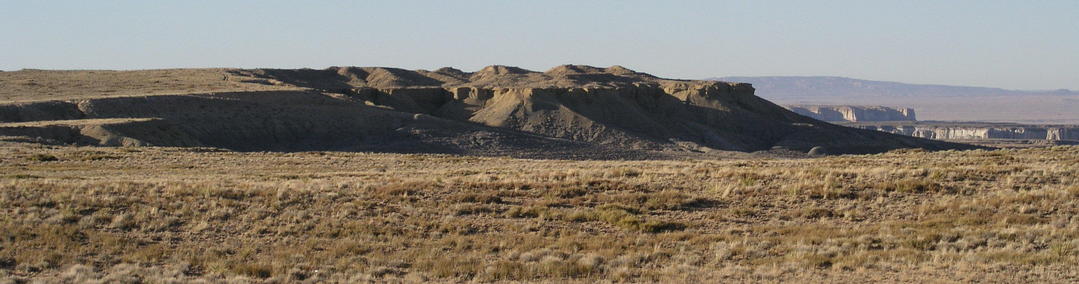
[(499, 109)]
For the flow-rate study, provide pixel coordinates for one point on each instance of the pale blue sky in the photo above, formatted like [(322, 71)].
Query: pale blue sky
[(1010, 44)]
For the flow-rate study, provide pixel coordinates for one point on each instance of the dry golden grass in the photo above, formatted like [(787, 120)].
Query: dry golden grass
[(173, 214)]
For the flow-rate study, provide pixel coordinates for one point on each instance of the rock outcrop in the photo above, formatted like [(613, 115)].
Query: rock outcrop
[(837, 113), (499, 109)]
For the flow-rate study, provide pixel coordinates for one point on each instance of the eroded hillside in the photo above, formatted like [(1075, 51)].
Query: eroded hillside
[(497, 110)]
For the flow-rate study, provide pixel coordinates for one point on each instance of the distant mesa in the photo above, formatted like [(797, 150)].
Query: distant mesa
[(849, 113), (569, 111), (933, 102), (979, 131)]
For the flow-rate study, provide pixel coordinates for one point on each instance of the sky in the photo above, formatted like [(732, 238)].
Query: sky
[(1007, 44)]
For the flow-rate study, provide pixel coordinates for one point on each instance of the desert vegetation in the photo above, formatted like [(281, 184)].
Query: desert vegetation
[(180, 214)]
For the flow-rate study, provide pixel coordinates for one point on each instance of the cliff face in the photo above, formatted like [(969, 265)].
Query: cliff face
[(836, 113), (961, 132), (495, 110)]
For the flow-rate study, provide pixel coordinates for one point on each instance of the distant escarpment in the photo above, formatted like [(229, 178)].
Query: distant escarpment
[(835, 113), (977, 130), (933, 102), (570, 109)]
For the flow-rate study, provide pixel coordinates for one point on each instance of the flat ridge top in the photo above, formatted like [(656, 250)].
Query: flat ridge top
[(41, 85), (494, 76)]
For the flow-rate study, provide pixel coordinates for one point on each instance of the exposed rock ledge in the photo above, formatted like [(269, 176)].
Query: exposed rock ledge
[(837, 113)]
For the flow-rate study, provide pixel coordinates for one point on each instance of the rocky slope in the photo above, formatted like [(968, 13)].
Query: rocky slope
[(497, 110), (854, 113)]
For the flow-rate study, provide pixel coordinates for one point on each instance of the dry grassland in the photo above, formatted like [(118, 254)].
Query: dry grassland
[(177, 215)]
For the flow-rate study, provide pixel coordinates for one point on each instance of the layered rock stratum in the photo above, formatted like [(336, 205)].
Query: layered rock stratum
[(570, 110), (852, 113), (976, 130)]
